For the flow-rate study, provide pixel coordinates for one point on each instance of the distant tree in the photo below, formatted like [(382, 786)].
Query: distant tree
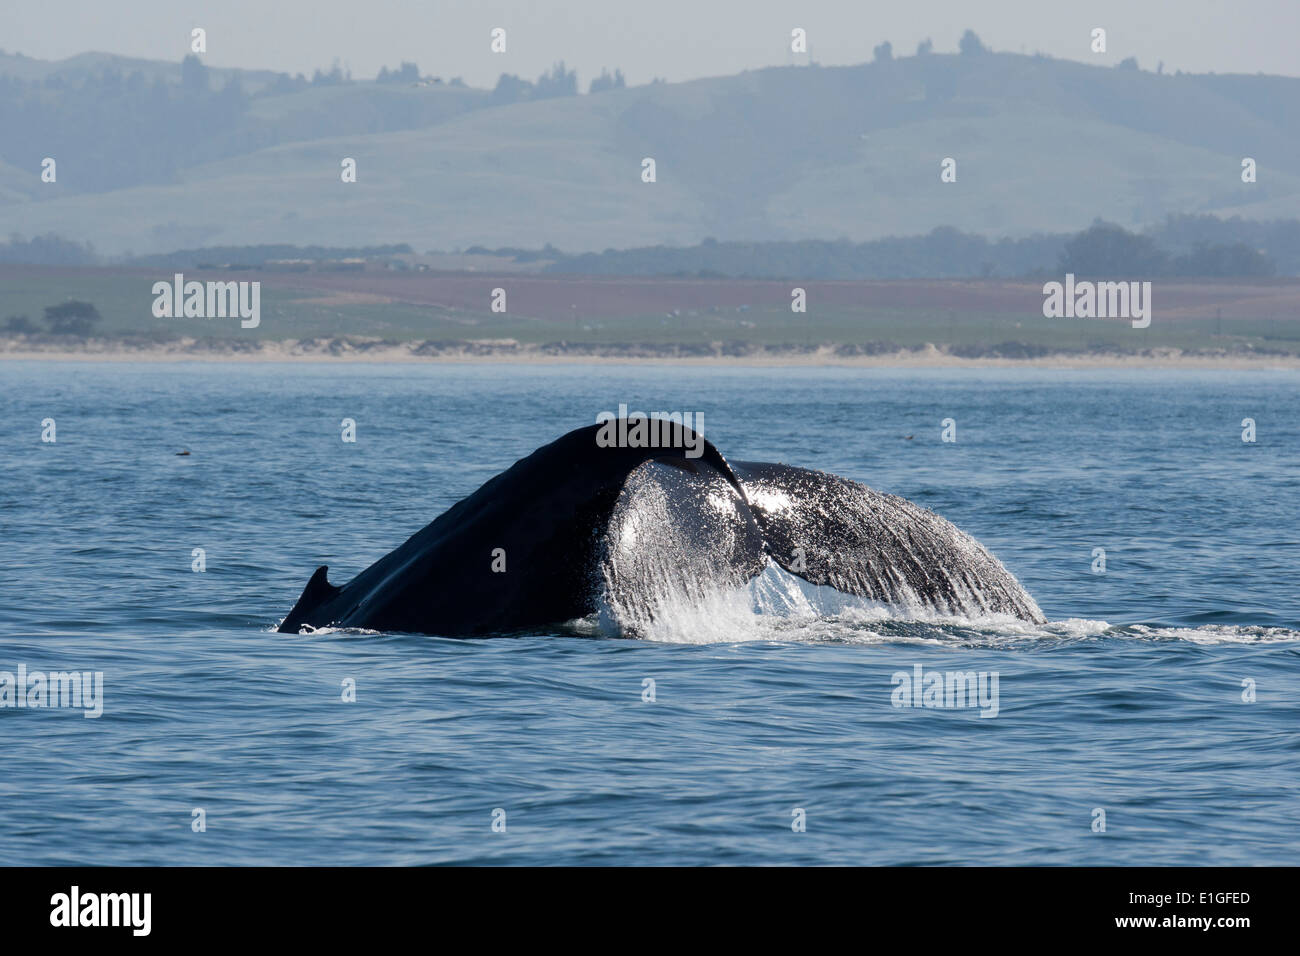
[(334, 77), (194, 75), (1129, 63), (558, 82), (20, 324), (1279, 238), (511, 89), (406, 73), (970, 44), (883, 52), (71, 318), (1110, 251), (46, 250), (924, 47), (606, 82)]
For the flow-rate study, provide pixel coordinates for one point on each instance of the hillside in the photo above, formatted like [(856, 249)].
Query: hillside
[(787, 153)]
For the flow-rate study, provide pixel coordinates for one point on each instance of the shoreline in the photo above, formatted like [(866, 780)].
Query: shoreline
[(348, 351)]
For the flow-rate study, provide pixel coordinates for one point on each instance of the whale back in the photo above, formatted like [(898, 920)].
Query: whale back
[(522, 551)]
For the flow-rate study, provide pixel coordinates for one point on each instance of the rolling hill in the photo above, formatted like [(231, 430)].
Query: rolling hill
[(1041, 145)]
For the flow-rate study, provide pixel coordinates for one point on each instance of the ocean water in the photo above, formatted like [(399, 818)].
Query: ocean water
[(1132, 702)]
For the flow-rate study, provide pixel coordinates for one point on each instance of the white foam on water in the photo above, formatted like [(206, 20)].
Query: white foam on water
[(308, 631), (781, 607), (1218, 634), (774, 606)]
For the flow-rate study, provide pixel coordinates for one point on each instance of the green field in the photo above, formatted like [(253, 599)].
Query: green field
[(287, 314)]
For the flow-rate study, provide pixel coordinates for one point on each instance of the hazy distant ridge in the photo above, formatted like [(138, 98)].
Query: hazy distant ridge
[(238, 158)]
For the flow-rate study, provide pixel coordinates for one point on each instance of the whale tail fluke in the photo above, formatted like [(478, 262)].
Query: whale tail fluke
[(317, 592), (637, 531), (832, 531)]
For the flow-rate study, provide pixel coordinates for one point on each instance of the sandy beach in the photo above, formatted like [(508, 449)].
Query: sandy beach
[(720, 354)]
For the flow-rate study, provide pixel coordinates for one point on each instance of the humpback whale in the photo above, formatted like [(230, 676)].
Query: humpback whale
[(581, 526)]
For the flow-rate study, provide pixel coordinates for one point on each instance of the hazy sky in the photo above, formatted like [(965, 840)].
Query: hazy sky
[(674, 39)]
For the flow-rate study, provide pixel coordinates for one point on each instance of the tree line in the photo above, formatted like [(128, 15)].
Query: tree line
[(1184, 245), (1199, 246), (67, 318)]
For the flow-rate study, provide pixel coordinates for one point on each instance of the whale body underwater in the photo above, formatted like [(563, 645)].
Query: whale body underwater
[(583, 527)]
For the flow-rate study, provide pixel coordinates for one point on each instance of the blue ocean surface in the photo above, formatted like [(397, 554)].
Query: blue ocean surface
[(1154, 720)]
